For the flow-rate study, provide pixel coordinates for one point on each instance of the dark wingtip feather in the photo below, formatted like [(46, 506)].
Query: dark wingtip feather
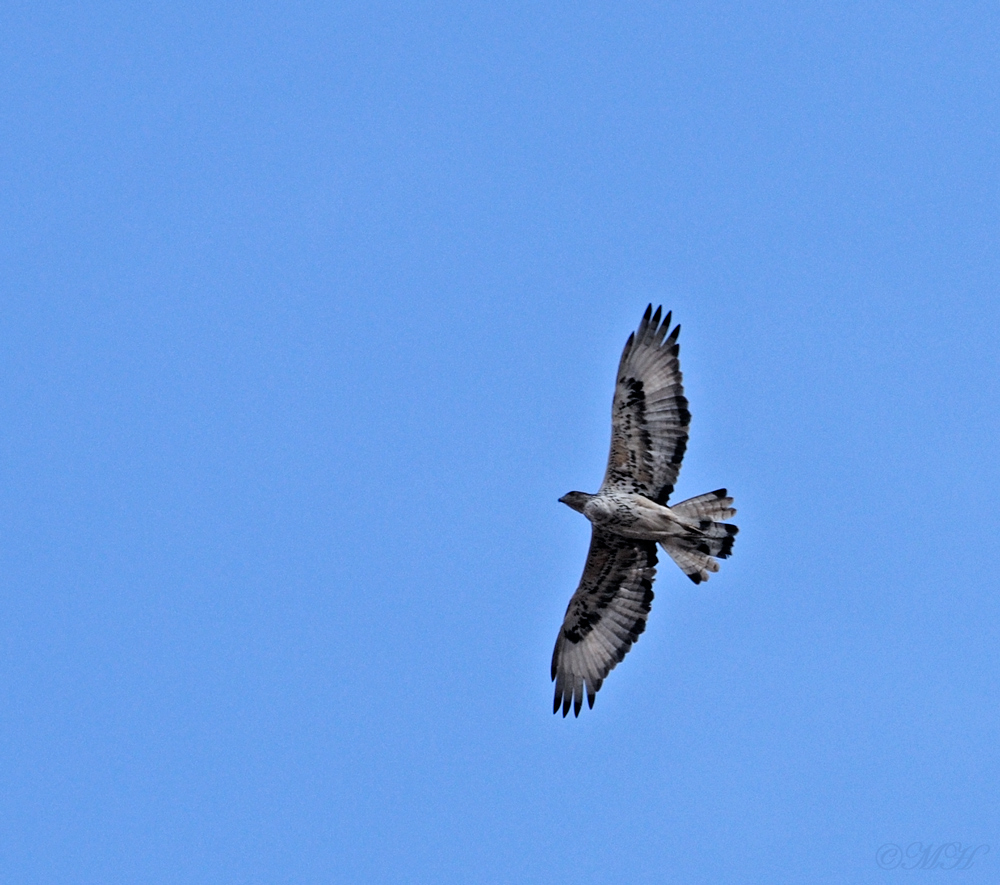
[(640, 333), (628, 346), (696, 577)]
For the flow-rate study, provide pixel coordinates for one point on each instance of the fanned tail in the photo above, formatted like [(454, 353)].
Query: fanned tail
[(696, 552)]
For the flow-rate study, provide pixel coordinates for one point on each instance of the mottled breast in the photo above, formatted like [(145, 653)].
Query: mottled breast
[(611, 511)]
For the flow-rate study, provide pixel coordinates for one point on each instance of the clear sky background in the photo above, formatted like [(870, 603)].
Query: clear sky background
[(311, 311)]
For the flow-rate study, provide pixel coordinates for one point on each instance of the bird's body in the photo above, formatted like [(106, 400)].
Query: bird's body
[(630, 516)]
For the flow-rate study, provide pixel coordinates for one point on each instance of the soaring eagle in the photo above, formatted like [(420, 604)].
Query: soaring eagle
[(629, 517)]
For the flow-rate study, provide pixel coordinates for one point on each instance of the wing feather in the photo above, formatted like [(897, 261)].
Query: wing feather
[(605, 616), (649, 415)]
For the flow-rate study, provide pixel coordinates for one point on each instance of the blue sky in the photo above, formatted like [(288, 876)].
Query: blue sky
[(311, 312)]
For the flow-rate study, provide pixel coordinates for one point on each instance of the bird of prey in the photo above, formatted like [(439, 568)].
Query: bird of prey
[(629, 516)]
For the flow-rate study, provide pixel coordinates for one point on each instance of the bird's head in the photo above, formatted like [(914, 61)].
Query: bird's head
[(576, 500)]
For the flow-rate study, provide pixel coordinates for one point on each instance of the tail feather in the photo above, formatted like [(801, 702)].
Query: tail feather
[(717, 537), (695, 564), (695, 550), (715, 505)]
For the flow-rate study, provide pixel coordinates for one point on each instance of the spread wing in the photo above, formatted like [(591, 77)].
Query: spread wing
[(649, 416), (605, 616)]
